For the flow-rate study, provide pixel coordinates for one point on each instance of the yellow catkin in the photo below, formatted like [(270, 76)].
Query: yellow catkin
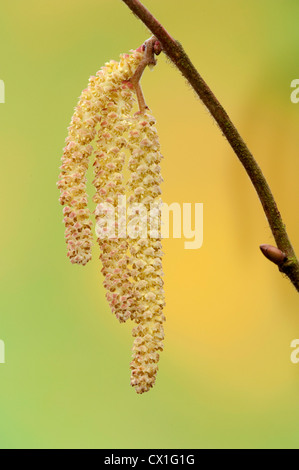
[(82, 131), (109, 164), (109, 182), (146, 253), (132, 267)]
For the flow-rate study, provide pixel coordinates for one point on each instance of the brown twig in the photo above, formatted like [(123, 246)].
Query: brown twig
[(174, 50), (150, 48)]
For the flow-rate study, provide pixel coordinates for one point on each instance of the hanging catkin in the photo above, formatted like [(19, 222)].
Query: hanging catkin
[(131, 262), (144, 183)]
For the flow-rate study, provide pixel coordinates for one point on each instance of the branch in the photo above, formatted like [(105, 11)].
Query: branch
[(150, 48), (173, 49)]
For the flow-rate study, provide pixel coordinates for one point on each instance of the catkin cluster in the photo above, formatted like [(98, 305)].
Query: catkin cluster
[(127, 157)]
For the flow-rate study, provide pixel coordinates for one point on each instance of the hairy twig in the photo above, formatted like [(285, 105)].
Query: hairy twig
[(174, 50), (151, 47)]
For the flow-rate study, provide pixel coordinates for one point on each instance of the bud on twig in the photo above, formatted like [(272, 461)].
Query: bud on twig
[(273, 254)]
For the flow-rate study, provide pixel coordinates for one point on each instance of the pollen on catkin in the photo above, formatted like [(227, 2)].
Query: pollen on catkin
[(110, 156), (127, 158), (146, 253), (75, 160), (109, 183)]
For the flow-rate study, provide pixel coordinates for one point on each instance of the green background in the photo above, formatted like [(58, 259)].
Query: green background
[(225, 378)]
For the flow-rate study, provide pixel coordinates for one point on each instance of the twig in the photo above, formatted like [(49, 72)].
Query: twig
[(174, 50), (151, 48)]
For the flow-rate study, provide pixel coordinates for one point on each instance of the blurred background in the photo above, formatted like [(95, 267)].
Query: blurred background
[(225, 378)]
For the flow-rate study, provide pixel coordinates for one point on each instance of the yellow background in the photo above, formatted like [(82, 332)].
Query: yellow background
[(225, 378)]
